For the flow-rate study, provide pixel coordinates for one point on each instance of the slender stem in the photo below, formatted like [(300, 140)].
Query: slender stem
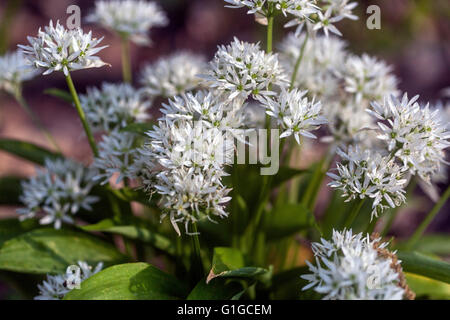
[(394, 212), (21, 100), (270, 19), (354, 213), (197, 270), (81, 114), (428, 219), (298, 62), (126, 62)]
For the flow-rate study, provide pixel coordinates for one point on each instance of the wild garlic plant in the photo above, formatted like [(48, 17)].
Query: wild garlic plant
[(166, 180)]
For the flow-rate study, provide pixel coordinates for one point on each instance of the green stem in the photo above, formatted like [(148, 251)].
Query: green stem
[(428, 219), (20, 99), (298, 62), (126, 62), (197, 270), (354, 213), (81, 114), (269, 32)]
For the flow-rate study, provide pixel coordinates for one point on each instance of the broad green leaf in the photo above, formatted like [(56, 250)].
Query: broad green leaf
[(418, 263), (428, 288), (230, 263), (132, 281), (10, 228), (288, 284), (61, 94), (142, 233), (216, 289), (10, 190), (51, 251), (139, 128), (27, 151), (288, 219)]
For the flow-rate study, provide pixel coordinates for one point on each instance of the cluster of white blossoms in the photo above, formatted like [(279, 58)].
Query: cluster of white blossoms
[(131, 19), (344, 83), (416, 136), (14, 71), (185, 158), (295, 113), (58, 49), (116, 155), (55, 287), (366, 174), (57, 192), (368, 78), (173, 75), (243, 69), (354, 267), (114, 106)]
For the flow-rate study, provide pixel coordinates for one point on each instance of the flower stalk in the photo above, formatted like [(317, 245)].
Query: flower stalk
[(81, 114), (126, 60)]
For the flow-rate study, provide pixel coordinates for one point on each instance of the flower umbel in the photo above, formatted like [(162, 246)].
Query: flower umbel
[(58, 49), (14, 71), (350, 267)]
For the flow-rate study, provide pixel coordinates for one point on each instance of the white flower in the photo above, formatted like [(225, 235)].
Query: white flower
[(59, 49), (129, 18), (55, 287), (242, 69), (114, 106), (323, 58), (295, 113), (14, 71), (352, 267), (58, 192), (415, 135), (207, 106), (363, 174), (116, 153), (184, 163), (173, 75), (254, 6), (368, 78)]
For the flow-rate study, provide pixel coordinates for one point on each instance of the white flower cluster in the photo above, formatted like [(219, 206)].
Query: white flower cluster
[(14, 71), (116, 154), (368, 78), (173, 75), (57, 192), (185, 157), (243, 69), (316, 15), (344, 83), (129, 18), (114, 106), (55, 287), (59, 49), (367, 174), (414, 135), (295, 113), (350, 267)]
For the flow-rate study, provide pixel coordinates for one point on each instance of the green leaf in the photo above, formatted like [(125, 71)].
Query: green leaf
[(216, 289), (230, 263), (132, 281), (285, 174), (287, 285), (61, 94), (139, 128), (427, 288), (287, 220), (438, 244), (423, 265), (27, 151), (51, 251), (10, 228), (10, 190), (142, 233)]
